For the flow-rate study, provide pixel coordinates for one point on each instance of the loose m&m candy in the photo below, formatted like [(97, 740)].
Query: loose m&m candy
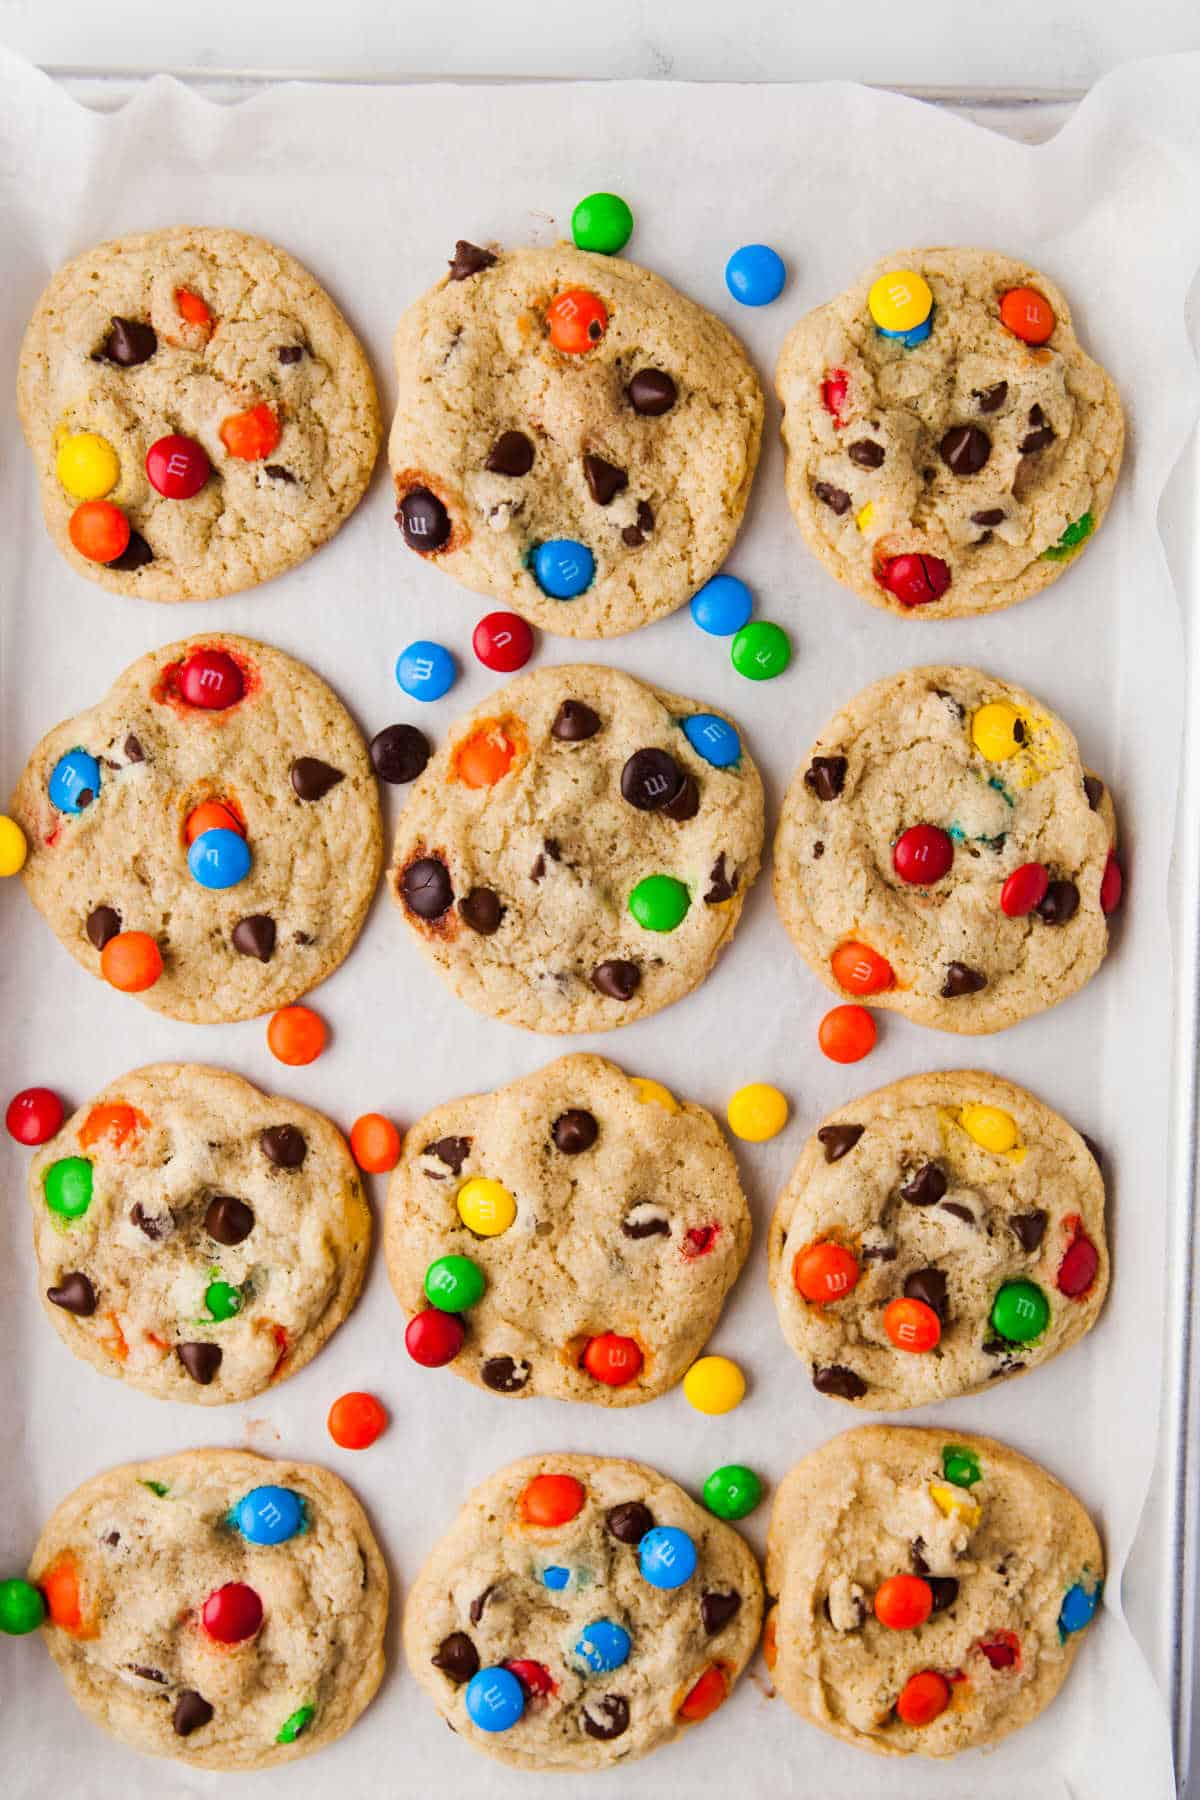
[(425, 670), (355, 1421), (34, 1115), (502, 641), (22, 1608), (13, 848), (732, 1491), (296, 1035), (846, 1034), (757, 1112), (722, 606), (714, 1385), (755, 274), (603, 223), (375, 1143)]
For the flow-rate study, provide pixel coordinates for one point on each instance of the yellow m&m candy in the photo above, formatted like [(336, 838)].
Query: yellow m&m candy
[(997, 731), (653, 1093), (991, 1127), (953, 1501), (864, 516), (714, 1385), (757, 1112), (87, 465), (485, 1207), (900, 300), (13, 848)]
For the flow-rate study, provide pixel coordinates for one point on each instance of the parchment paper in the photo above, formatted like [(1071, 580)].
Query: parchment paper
[(370, 187)]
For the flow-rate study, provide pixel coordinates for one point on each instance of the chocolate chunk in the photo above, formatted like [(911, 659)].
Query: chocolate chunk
[(945, 1591), (991, 515), (723, 884), (133, 749), (469, 259), (228, 1219), (925, 1187), (1040, 437), (617, 979), (482, 911), (1030, 1229), (423, 520), (1094, 1147), (277, 472), (836, 498), (502, 1375), (629, 1522), (631, 536), (155, 1226), (200, 1360), (191, 1712), (867, 454), (826, 776), (425, 886), (136, 554), (605, 1716), (917, 1552), (605, 480), (650, 779), (284, 1145), (965, 449), (652, 393), (686, 803), (716, 1610), (839, 1381), (575, 1130), (645, 517), (290, 353), (399, 753), (961, 980), (958, 1212), (984, 537), (102, 924), (651, 1224), (453, 1151), (929, 1286), (992, 398), (457, 1657), (511, 454), (1093, 787), (129, 342), (538, 870), (573, 722), (1059, 903), (883, 1253), (479, 1603), (255, 936), (147, 1674), (839, 1140), (75, 1294)]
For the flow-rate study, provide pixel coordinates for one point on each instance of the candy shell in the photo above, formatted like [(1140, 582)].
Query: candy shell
[(563, 568), (760, 651), (13, 848), (603, 223), (732, 1491), (722, 606), (714, 1385), (425, 670), (755, 275), (712, 738), (757, 1112), (74, 781), (269, 1515), (667, 1557), (495, 1699)]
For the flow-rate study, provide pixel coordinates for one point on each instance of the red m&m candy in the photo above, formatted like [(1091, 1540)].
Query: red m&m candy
[(177, 466), (434, 1338), (834, 389), (1112, 885), (922, 855), (1078, 1268), (613, 1360), (502, 641), (232, 1613), (1024, 890), (34, 1115), (534, 1677), (914, 580), (211, 679)]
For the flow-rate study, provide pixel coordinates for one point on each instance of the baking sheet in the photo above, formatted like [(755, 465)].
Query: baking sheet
[(370, 188)]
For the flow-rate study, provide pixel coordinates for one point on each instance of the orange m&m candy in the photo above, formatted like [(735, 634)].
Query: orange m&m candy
[(355, 1421), (861, 970), (485, 758), (705, 1695), (1027, 314), (824, 1272), (903, 1602), (99, 531), (131, 961), (251, 435), (923, 1698), (60, 1590), (551, 1500), (115, 1120), (613, 1360), (296, 1036), (192, 308), (576, 320), (375, 1143), (911, 1324), (211, 815), (847, 1034)]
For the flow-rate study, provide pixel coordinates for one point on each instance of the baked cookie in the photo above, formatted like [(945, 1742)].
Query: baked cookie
[(580, 1611), (222, 1608), (578, 850), (950, 447), (932, 1589), (572, 437), (219, 801), (195, 1237), (576, 1168), (943, 852), (200, 414), (935, 1236)]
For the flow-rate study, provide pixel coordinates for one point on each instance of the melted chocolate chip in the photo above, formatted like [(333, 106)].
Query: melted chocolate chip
[(965, 449), (839, 1140), (200, 1360), (284, 1145), (605, 1716), (457, 1657), (616, 979), (469, 259), (925, 1187), (503, 1376), (945, 1591), (133, 750), (423, 520), (155, 1226), (399, 753), (917, 1552), (686, 803), (255, 936), (961, 980), (1059, 903), (102, 924), (453, 1151), (478, 1604), (192, 1711), (839, 1381), (835, 498), (277, 472), (631, 536), (723, 885), (604, 479), (1030, 1229), (826, 776), (866, 453), (652, 393), (645, 517), (958, 1212), (629, 1521), (992, 398), (312, 778), (716, 1610), (289, 353), (136, 554), (1042, 435), (129, 342), (984, 538), (426, 889), (148, 1674), (511, 454), (991, 515), (575, 1130), (651, 1225), (883, 1253), (650, 779), (1093, 787), (929, 1286), (482, 911), (75, 1294), (573, 722)]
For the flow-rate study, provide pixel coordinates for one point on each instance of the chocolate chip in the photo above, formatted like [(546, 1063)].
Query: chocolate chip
[(961, 980), (1030, 1229), (723, 884), (277, 472), (200, 1360), (453, 1151), (650, 779), (629, 1521), (686, 803), (228, 1219), (716, 1610), (191, 1712), (866, 454), (482, 911), (836, 498), (928, 1286), (1040, 437), (423, 520), (992, 398), (457, 1657), (991, 515), (255, 936), (1094, 1148), (155, 1226), (133, 750), (965, 449), (1059, 903), (839, 1140), (878, 1253), (425, 886), (575, 1130), (617, 979), (826, 776), (136, 554), (984, 537), (75, 1294), (502, 1375), (605, 480), (631, 536), (147, 1674), (399, 753), (645, 517), (839, 1381), (538, 870), (469, 259), (605, 1716), (958, 1212), (573, 722), (284, 1145), (652, 393), (917, 1552), (290, 353), (129, 342), (1093, 787), (479, 1603), (511, 454), (945, 1591), (925, 1187), (102, 924)]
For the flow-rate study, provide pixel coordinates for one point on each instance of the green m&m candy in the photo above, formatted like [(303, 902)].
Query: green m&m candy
[(760, 650), (960, 1465), (732, 1491), (222, 1300), (68, 1186), (453, 1283), (601, 222), (296, 1724), (1020, 1311), (22, 1608), (659, 903)]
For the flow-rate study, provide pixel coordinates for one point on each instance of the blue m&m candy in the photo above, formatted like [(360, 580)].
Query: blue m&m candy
[(755, 274), (1078, 1608), (495, 1699), (425, 670), (712, 738), (603, 1646), (722, 606), (269, 1515), (667, 1557), (562, 568), (555, 1577), (219, 858), (75, 781)]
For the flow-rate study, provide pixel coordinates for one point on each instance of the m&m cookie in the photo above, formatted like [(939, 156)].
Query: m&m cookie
[(578, 850), (935, 1237), (933, 1588), (950, 446), (579, 1612), (574, 1233), (200, 414), (942, 851), (208, 835), (572, 437), (221, 1608), (195, 1237)]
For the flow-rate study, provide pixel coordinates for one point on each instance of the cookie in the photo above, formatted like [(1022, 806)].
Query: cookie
[(195, 1237), (572, 436), (577, 852), (201, 416), (218, 1607), (581, 1611), (219, 801), (950, 447), (602, 1223), (944, 853), (932, 1589), (937, 1236)]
